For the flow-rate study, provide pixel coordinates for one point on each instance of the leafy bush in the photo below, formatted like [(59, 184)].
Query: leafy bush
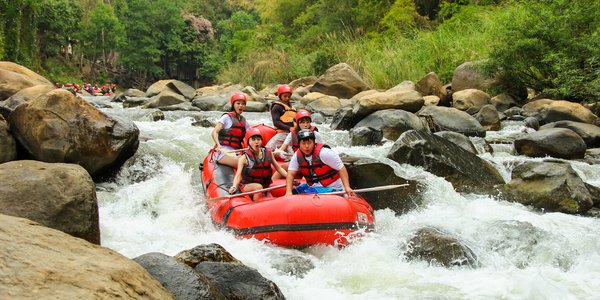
[(554, 48)]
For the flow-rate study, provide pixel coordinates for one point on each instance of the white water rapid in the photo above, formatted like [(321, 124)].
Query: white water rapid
[(156, 204)]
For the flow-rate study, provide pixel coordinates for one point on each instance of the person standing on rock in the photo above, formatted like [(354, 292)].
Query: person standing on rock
[(282, 113), (230, 131)]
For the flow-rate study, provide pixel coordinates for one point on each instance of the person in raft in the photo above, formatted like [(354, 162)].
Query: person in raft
[(254, 167), (282, 113), (230, 131), (303, 121), (322, 168)]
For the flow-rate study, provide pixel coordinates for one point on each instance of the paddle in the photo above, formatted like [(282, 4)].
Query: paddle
[(371, 189), (248, 193), (280, 152), (236, 150)]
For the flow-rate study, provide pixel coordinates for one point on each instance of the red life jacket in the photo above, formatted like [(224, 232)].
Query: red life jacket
[(295, 142), (234, 135), (261, 171), (317, 171)]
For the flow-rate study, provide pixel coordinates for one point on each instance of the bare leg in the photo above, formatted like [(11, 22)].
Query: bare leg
[(229, 161), (253, 187), (276, 174)]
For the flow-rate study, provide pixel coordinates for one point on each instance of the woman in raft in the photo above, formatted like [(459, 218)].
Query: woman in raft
[(230, 131)]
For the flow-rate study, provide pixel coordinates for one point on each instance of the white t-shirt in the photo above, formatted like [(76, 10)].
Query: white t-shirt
[(318, 138), (225, 119), (328, 157)]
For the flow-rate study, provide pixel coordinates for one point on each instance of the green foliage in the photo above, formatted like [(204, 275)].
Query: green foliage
[(20, 31), (58, 22), (237, 35), (554, 48), (400, 18), (102, 33)]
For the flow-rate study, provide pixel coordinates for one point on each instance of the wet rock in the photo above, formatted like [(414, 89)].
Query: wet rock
[(59, 127), (466, 171), (588, 132), (503, 102), (362, 136), (165, 98), (59, 196), (135, 101), (343, 119), (237, 281), (451, 119), (27, 94), (179, 279), (367, 172), (157, 115), (531, 122), (183, 106), (203, 121), (392, 122), (39, 262), (549, 186), (134, 93), (201, 253), (295, 265), (211, 102), (459, 139), (438, 247), (555, 142), (488, 118), (118, 98), (408, 100)]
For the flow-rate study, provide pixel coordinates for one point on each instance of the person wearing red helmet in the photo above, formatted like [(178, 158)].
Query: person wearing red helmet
[(254, 166), (318, 164), (303, 121), (282, 114), (230, 130)]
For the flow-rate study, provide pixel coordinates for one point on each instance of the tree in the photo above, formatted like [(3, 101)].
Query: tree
[(101, 35), (19, 18), (57, 26), (237, 35), (554, 48)]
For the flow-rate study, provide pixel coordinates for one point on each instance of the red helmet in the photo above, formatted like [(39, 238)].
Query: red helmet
[(237, 96), (283, 88), (253, 132), (302, 113)]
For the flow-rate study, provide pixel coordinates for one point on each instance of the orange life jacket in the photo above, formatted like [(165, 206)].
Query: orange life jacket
[(234, 135), (316, 171), (295, 142), (261, 171), (288, 116)]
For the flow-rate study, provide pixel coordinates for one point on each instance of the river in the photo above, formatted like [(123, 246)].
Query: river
[(156, 204)]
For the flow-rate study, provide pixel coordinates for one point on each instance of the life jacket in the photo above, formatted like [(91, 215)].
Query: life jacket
[(261, 171), (287, 117), (316, 171), (295, 142), (234, 135)]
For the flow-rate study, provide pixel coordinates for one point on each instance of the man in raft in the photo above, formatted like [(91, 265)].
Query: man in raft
[(254, 166), (319, 165), (282, 113)]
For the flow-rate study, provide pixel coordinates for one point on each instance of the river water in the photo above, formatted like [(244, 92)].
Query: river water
[(156, 204)]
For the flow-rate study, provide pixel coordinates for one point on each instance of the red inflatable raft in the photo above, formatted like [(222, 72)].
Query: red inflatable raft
[(294, 221)]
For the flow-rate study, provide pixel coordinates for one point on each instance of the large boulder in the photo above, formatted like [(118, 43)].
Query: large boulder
[(470, 100), (211, 102), (27, 94), (343, 119), (471, 75), (59, 127), (438, 247), (392, 122), (588, 132), (237, 281), (43, 263), (559, 110), (459, 139), (408, 100), (14, 77), (165, 98), (368, 172), (488, 117), (549, 186), (555, 142), (430, 84), (464, 170), (59, 196), (451, 119), (8, 146), (363, 136), (179, 279), (340, 81), (210, 252), (326, 105), (172, 85)]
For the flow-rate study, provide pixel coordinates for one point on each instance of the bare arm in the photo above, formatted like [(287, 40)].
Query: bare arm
[(346, 181), (289, 182), (238, 174), (215, 135), (278, 167)]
